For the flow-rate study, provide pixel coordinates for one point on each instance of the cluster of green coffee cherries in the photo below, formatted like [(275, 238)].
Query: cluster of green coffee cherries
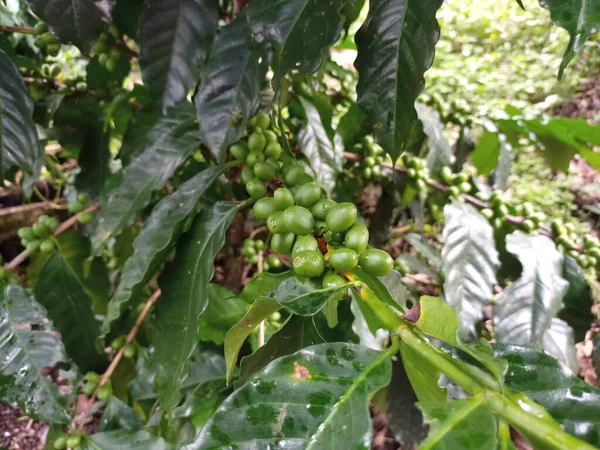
[(39, 236), (373, 156), (298, 216), (90, 383), (130, 349), (71, 441), (107, 56), (458, 183), (45, 40), (78, 206), (570, 243), (250, 250)]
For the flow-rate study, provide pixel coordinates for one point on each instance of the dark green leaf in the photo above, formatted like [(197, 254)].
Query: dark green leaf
[(525, 309), (352, 126), (229, 93), (425, 248), (296, 334), (316, 141), (140, 134), (174, 39), (184, 297), (126, 439), (260, 310), (263, 285), (578, 300), (305, 297), (77, 22), (93, 160), (24, 351), (581, 18), (570, 400), (466, 424), (405, 418), (224, 310), (470, 262), (157, 238), (19, 145), (395, 48), (284, 24), (440, 152), (126, 14), (149, 171), (119, 416), (62, 293), (304, 400)]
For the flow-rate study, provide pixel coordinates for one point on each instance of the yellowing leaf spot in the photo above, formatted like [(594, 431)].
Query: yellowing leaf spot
[(301, 372)]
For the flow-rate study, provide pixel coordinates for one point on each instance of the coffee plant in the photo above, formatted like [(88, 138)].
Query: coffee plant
[(232, 241)]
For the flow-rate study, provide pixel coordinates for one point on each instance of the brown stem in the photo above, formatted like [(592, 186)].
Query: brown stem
[(11, 29), (21, 257)]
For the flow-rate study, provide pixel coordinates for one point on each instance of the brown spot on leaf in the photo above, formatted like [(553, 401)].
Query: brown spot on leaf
[(301, 372)]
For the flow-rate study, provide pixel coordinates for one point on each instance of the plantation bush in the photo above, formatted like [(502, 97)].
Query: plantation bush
[(234, 251)]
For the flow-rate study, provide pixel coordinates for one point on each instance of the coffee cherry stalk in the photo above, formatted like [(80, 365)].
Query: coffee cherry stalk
[(324, 238)]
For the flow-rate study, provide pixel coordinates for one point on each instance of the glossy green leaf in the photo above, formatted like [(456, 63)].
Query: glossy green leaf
[(578, 301), (126, 439), (19, 145), (315, 398), (174, 39), (305, 297), (77, 22), (470, 262), (119, 416), (175, 140), (93, 161), (570, 400), (62, 293), (260, 310), (296, 334), (184, 284), (224, 310), (440, 152), (405, 418), (525, 309), (581, 18), (379, 288), (316, 141), (283, 24), (157, 238), (352, 126), (395, 287), (24, 351), (466, 424), (395, 48), (425, 248), (263, 284), (229, 93)]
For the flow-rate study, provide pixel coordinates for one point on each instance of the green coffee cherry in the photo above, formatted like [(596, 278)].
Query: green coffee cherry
[(104, 392), (283, 243), (130, 350), (487, 213), (75, 439), (270, 136), (298, 220), (529, 225), (75, 207), (401, 266), (274, 262), (275, 223), (264, 207), (332, 279), (247, 174), (93, 377), (274, 163), (253, 259), (453, 191), (41, 230), (266, 267), (33, 246), (293, 175), (527, 208), (52, 223), (27, 234), (309, 263), (85, 217), (239, 150), (262, 120), (322, 207), (117, 343), (254, 158), (273, 150), (40, 28), (305, 243), (341, 217), (308, 194), (465, 187), (334, 238), (60, 443), (343, 259), (265, 171), (248, 251), (284, 198), (47, 246), (259, 244), (446, 175), (257, 142), (376, 262), (256, 188), (89, 388)]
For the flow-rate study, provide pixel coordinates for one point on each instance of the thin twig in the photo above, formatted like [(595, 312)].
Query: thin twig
[(256, 232), (12, 29), (261, 325), (130, 337), (21, 257)]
